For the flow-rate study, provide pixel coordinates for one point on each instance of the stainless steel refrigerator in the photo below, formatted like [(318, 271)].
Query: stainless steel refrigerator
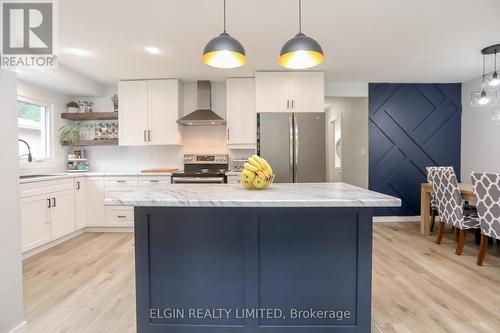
[(294, 145)]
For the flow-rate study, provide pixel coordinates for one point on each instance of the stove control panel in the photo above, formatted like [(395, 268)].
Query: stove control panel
[(205, 159)]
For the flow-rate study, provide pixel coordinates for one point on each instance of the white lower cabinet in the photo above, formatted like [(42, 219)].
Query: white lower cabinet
[(47, 216), (233, 179), (51, 210), (154, 180), (35, 221), (95, 201), (80, 202), (119, 216), (62, 214)]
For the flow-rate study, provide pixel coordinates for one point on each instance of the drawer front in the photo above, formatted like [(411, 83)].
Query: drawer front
[(119, 214), (43, 187), (154, 180), (121, 181), (233, 179)]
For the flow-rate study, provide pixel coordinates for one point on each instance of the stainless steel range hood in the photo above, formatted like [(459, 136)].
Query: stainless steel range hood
[(203, 115)]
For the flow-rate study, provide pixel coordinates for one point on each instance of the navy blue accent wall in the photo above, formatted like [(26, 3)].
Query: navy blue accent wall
[(411, 126)]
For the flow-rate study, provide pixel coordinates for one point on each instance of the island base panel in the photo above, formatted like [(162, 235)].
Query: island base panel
[(201, 270)]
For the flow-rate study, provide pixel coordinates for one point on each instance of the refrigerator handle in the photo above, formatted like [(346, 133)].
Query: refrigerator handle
[(296, 148), (291, 166)]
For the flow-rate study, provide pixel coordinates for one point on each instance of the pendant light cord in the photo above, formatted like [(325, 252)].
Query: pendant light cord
[(224, 15), (300, 16), (495, 62)]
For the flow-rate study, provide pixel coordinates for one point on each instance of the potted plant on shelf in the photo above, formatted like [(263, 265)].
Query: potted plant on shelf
[(73, 107), (69, 135)]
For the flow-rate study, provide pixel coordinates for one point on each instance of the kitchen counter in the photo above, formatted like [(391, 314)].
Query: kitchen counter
[(200, 248), (64, 175), (234, 195)]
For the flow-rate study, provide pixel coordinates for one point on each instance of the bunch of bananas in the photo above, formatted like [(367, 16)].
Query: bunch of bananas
[(257, 173)]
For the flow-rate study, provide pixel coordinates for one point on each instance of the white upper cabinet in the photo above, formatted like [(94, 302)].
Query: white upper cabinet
[(290, 92), (148, 113), (133, 113), (240, 113), (308, 92), (165, 103), (272, 91)]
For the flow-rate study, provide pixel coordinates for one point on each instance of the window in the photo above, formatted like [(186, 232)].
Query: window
[(34, 128)]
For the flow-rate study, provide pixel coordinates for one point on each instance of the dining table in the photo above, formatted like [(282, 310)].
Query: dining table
[(466, 190)]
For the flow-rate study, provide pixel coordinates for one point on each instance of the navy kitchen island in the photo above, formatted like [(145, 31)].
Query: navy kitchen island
[(219, 258)]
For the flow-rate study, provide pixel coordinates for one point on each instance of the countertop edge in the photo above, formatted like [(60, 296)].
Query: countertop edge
[(332, 203)]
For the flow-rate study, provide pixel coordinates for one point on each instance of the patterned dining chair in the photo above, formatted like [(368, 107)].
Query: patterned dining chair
[(431, 176), (487, 189), (449, 201)]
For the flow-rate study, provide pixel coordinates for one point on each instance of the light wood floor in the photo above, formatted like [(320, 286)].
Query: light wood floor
[(87, 285)]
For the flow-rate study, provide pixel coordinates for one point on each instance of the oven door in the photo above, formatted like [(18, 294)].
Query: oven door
[(198, 180)]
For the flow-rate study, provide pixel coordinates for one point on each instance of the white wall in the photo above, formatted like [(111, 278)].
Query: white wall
[(11, 297), (63, 80), (346, 89), (354, 111), (480, 135)]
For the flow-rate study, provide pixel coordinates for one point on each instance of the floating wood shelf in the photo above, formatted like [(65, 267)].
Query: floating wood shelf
[(107, 142), (90, 116)]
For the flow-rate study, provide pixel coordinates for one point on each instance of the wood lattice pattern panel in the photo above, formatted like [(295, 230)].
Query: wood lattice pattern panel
[(411, 126)]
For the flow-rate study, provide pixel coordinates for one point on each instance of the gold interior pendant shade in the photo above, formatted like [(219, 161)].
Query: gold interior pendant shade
[(301, 51), (224, 51)]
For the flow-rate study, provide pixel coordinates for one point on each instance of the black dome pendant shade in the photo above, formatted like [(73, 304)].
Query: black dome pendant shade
[(224, 51), (301, 51)]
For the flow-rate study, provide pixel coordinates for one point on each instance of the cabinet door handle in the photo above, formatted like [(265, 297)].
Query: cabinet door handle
[(292, 103), (287, 104), (145, 139), (78, 185), (228, 134), (149, 135), (120, 181), (154, 181), (122, 216), (49, 205), (53, 202)]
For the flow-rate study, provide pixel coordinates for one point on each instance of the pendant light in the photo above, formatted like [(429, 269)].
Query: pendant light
[(485, 96), (301, 51), (494, 81), (224, 51)]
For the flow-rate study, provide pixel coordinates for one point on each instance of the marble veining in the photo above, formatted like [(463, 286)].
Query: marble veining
[(234, 195)]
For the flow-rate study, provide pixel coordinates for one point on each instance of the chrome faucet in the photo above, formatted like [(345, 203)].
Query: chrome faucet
[(30, 158)]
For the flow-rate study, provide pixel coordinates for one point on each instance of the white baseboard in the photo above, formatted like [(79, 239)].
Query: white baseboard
[(21, 328), (396, 218), (109, 229)]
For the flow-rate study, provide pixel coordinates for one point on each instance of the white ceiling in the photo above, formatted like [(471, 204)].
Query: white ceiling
[(363, 40)]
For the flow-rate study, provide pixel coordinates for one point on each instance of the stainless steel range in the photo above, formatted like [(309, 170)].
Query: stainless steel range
[(202, 169)]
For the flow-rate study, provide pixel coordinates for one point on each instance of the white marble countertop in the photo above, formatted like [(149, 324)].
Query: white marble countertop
[(56, 176), (234, 195)]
